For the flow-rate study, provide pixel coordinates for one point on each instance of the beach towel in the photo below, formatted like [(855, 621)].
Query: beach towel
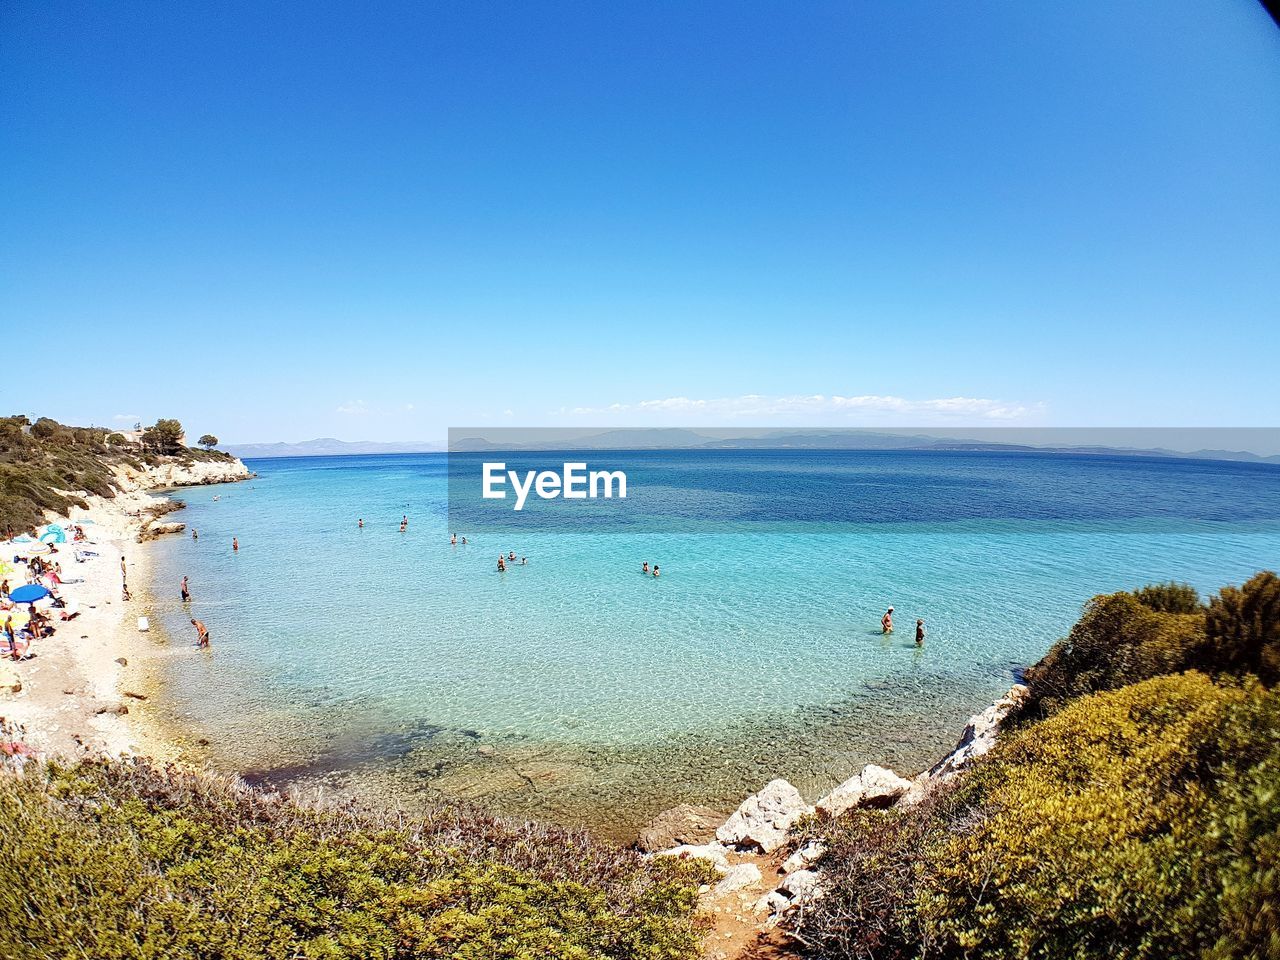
[(53, 533)]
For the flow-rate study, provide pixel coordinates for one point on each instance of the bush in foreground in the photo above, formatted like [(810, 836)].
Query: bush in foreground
[(1139, 823), (1125, 638), (123, 860)]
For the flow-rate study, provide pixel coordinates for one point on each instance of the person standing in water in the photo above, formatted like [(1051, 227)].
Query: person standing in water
[(886, 622), (186, 594), (919, 633), (202, 633), (360, 523), (655, 569), (502, 564), (644, 567), (235, 545), (195, 534)]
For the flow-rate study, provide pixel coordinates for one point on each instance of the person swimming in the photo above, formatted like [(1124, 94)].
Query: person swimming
[(524, 561), (511, 557), (453, 539), (235, 544), (655, 569), (919, 633), (502, 564), (195, 534), (644, 567), (886, 622)]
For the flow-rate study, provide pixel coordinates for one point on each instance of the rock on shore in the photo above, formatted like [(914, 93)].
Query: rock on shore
[(762, 823), (765, 818), (176, 473)]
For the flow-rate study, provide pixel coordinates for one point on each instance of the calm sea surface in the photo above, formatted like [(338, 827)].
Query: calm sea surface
[(574, 688)]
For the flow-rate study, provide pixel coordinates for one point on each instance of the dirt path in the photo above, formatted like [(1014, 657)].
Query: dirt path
[(739, 931)]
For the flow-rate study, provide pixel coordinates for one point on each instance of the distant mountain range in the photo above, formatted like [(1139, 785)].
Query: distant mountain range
[(329, 447), (681, 439)]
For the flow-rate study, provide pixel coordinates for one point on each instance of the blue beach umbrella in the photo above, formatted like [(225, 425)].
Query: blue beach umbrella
[(29, 594)]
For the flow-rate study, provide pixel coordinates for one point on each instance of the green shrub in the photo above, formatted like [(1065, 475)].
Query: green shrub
[(1121, 827), (1170, 597), (1118, 640), (122, 860), (1124, 638), (1139, 823), (1242, 628), (47, 468)]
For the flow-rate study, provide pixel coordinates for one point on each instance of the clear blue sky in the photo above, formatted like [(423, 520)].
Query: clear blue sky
[(283, 221)]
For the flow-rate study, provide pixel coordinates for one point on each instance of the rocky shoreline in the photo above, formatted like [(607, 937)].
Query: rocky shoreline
[(760, 888)]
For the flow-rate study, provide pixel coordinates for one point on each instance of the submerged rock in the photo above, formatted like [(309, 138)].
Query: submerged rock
[(873, 787), (685, 824), (764, 819)]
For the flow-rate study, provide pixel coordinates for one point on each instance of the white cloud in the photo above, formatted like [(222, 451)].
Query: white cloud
[(127, 418), (810, 407), (353, 408)]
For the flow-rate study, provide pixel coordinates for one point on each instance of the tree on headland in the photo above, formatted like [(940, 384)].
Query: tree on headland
[(208, 441), (164, 436), (45, 428)]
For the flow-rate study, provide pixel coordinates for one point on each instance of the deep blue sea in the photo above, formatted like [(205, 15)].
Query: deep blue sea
[(575, 688)]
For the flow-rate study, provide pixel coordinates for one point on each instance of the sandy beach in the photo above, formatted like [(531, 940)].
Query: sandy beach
[(91, 688)]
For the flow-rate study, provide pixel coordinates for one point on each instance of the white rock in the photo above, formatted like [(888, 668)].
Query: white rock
[(874, 786), (802, 884), (982, 731), (774, 902), (739, 876), (714, 852), (764, 818), (804, 856)]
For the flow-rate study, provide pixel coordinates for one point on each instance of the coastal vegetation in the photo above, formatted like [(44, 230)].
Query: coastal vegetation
[(126, 860), (49, 466), (1133, 812)]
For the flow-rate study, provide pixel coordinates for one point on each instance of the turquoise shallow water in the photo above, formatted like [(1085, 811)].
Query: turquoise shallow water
[(576, 688)]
